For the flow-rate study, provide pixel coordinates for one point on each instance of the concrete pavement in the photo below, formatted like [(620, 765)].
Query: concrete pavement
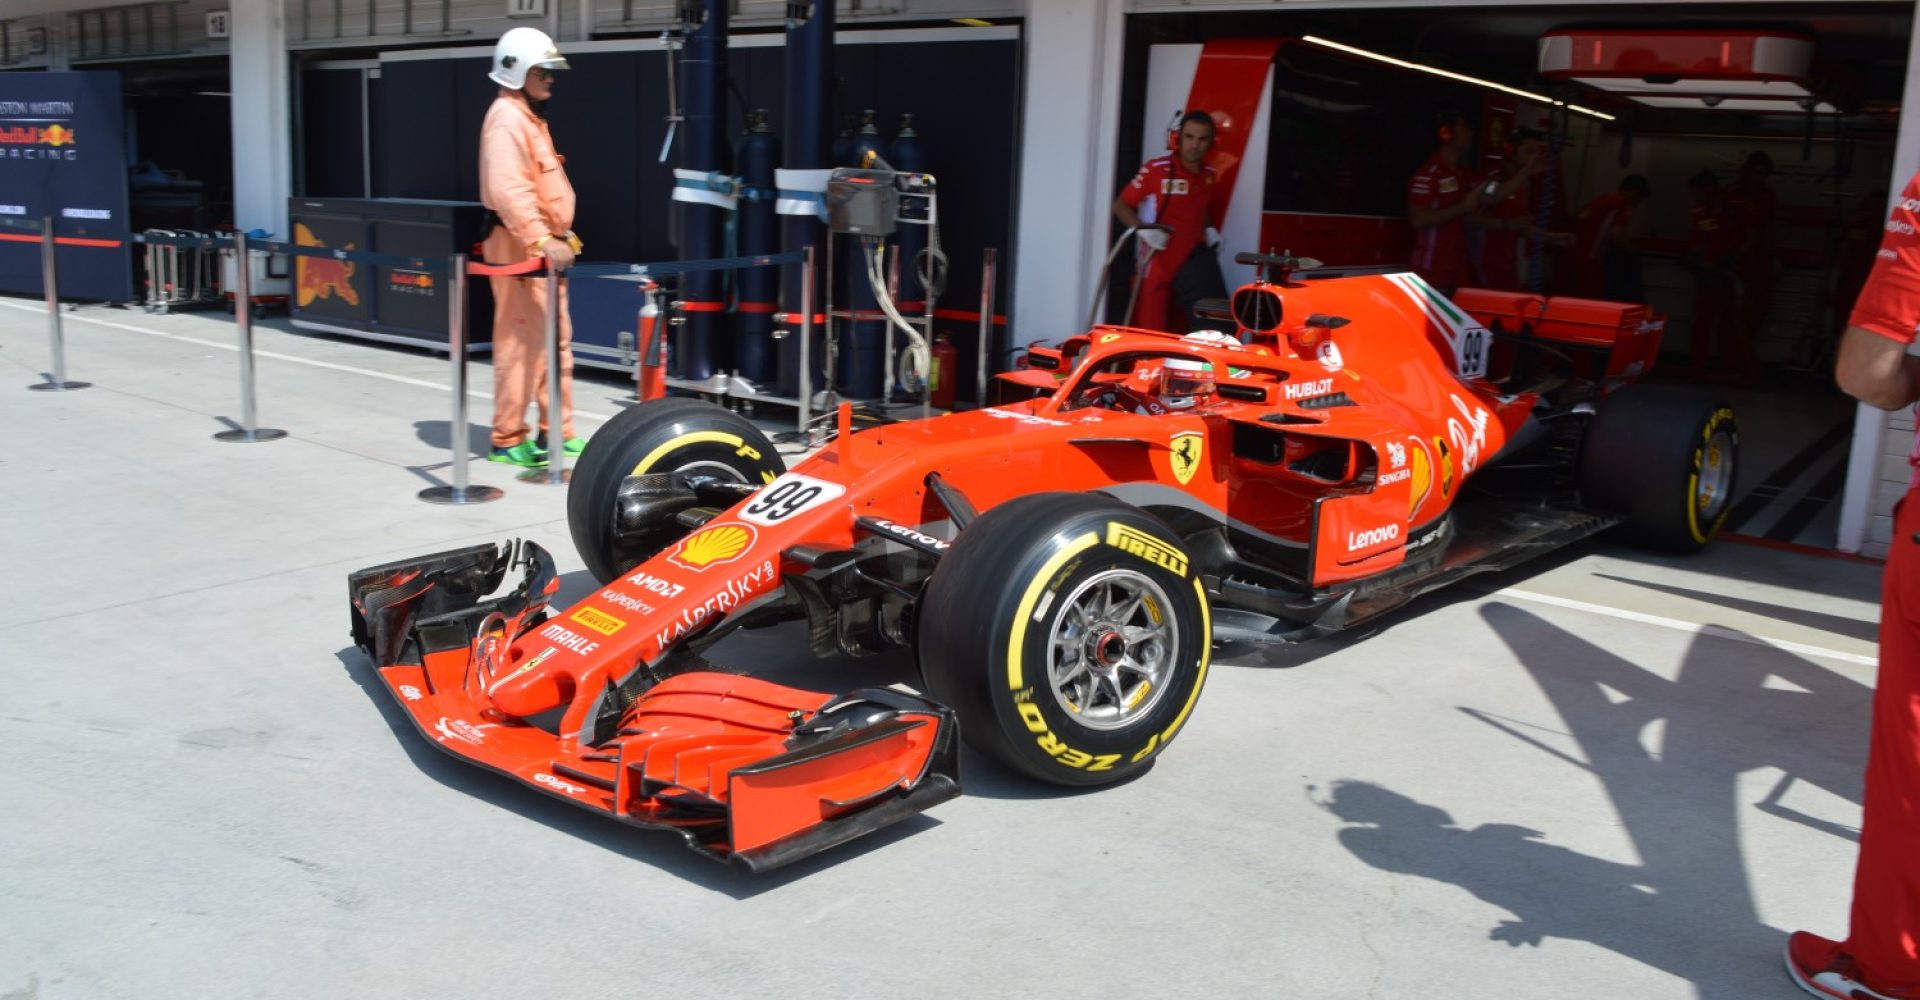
[(1608, 775)]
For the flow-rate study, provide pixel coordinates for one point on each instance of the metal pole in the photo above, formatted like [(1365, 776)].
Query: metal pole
[(989, 268), (56, 381), (806, 347), (243, 325), (459, 492), (555, 474)]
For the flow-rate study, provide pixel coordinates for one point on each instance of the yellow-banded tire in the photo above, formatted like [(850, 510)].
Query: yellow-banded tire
[(1071, 634), (1665, 459), (667, 435)]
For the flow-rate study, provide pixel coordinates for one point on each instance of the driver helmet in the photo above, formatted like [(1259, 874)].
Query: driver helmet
[(1187, 382)]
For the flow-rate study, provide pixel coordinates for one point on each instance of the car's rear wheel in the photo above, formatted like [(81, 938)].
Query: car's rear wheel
[(1666, 459), (1070, 633), (663, 436)]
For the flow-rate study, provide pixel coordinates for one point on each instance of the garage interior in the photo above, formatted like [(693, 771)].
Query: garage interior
[(1830, 170)]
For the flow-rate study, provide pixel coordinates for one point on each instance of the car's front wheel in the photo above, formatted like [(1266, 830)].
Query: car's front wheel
[(1071, 634)]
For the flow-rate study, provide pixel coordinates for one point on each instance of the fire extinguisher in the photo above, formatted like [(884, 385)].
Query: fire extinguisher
[(651, 372), (946, 365)]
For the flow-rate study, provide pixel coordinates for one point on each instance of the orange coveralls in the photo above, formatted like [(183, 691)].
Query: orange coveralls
[(522, 180)]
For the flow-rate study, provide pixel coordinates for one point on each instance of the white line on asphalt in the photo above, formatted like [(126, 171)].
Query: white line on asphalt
[(310, 362), (1680, 625)]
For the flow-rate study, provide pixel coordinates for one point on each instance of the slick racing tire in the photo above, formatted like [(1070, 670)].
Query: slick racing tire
[(668, 435), (1071, 634), (1665, 459)]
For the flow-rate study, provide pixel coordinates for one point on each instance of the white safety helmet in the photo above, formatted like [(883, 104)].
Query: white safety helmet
[(1186, 382), (519, 50)]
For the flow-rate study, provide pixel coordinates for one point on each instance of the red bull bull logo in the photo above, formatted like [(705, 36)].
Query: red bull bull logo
[(317, 278), (36, 142)]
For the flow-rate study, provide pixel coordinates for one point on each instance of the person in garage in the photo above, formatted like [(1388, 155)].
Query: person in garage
[(1751, 197), (1179, 265), (1605, 263), (1509, 213), (1716, 232), (523, 183), (1441, 198), (1880, 957)]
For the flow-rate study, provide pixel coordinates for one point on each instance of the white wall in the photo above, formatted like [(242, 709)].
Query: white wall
[(262, 117), (1069, 128)]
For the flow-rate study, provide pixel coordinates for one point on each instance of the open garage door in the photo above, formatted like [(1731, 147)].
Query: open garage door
[(1780, 132)]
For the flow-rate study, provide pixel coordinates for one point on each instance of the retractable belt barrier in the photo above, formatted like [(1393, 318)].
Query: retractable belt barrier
[(456, 269)]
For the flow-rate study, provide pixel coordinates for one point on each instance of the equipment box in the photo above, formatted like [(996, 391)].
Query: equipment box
[(396, 304)]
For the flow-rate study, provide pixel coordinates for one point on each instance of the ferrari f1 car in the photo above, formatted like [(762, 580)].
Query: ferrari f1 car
[(1061, 563)]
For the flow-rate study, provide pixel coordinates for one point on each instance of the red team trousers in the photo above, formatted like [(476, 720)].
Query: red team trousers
[(1885, 934)]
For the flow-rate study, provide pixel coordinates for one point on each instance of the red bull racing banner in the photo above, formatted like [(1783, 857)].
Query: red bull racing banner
[(61, 155)]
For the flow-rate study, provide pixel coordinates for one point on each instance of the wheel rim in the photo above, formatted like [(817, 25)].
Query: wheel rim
[(1714, 487), (1112, 648), (718, 470)]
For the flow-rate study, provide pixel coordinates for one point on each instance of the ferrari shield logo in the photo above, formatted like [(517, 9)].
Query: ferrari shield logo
[(1185, 450)]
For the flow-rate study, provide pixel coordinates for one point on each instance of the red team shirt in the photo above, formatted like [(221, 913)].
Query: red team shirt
[(1716, 233), (1890, 303), (1500, 249), (1166, 192), (1440, 252)]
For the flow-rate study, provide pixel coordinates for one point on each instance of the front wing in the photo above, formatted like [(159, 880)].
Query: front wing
[(745, 770)]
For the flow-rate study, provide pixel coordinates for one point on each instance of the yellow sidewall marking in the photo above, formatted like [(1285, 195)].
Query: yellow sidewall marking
[(697, 437), (1015, 677), (1206, 655)]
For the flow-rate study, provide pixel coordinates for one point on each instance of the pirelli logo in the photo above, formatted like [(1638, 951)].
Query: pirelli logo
[(599, 621), (1147, 547)]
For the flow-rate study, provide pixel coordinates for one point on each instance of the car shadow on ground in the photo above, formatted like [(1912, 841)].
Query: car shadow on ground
[(662, 849), (1669, 754)]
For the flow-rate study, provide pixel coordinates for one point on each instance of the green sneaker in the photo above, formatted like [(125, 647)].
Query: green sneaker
[(526, 454), (574, 446)]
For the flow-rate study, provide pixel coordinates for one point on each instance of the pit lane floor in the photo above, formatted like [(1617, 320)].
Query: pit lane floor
[(1611, 774)]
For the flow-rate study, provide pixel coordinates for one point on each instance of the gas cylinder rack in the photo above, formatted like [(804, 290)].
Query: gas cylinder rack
[(870, 204)]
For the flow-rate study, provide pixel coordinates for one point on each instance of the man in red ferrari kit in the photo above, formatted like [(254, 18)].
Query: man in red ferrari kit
[(1441, 197), (1177, 191), (1880, 957)]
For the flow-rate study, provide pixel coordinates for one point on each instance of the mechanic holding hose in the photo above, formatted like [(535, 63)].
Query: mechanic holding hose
[(1880, 957), (1178, 265), (530, 214)]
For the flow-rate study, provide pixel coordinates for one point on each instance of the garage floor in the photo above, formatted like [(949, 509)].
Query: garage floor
[(1611, 774)]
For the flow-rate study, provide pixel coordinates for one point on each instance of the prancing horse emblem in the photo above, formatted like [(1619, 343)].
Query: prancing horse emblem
[(1186, 450)]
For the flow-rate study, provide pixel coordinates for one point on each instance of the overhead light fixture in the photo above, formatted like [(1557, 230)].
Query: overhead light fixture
[(1451, 75)]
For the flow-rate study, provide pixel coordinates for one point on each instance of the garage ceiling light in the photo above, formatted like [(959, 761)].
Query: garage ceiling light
[(1780, 106), (1462, 77)]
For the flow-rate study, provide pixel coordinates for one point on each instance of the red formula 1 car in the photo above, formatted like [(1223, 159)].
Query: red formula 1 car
[(1061, 564)]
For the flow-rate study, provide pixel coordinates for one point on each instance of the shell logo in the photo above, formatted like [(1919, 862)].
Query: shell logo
[(1422, 482), (713, 546)]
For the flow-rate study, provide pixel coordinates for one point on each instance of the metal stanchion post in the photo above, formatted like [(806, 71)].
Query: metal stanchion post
[(806, 349), (459, 492), (243, 325), (49, 279), (555, 474), (989, 267)]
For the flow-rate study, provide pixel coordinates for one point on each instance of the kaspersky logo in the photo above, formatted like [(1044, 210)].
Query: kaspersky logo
[(318, 278)]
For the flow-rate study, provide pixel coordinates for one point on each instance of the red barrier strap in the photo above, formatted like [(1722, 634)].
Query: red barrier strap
[(969, 317), (757, 307), (64, 241), (532, 265), (688, 305)]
